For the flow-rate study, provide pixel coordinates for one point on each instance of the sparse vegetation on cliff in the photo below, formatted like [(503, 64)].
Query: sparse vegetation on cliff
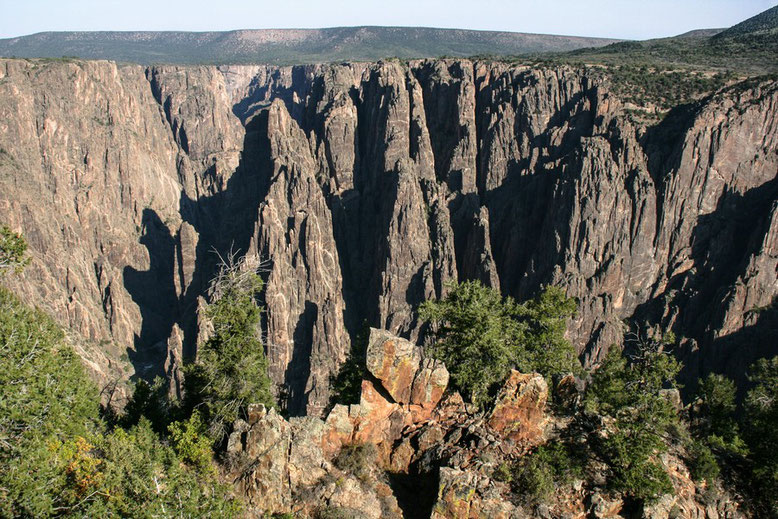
[(13, 247), (535, 476)]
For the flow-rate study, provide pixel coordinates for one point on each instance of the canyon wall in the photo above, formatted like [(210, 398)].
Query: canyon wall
[(360, 190)]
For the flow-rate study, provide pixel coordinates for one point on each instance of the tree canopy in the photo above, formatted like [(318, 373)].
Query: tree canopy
[(59, 458), (761, 428), (481, 336), (230, 371), (627, 391)]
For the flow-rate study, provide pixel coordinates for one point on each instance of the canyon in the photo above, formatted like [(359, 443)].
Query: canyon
[(360, 190)]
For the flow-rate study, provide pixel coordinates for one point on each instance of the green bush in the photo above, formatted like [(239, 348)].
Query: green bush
[(545, 321), (533, 480), (347, 384), (12, 249), (357, 459), (628, 394), (141, 477), (702, 464), (56, 455), (336, 512), (230, 371), (46, 401), (716, 432), (761, 429), (148, 401), (481, 336), (192, 444), (534, 477), (503, 472)]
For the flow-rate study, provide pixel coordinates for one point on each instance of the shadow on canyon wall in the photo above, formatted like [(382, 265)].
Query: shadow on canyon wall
[(693, 305), (223, 223)]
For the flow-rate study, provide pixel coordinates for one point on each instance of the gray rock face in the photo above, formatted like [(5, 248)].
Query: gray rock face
[(362, 189)]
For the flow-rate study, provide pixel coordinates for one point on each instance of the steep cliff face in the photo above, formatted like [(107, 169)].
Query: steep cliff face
[(362, 189)]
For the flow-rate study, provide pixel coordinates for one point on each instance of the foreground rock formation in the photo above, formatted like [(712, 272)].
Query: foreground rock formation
[(361, 189), (413, 448)]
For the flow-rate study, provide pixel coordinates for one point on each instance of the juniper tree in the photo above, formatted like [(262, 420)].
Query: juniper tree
[(230, 371), (627, 391), (481, 336)]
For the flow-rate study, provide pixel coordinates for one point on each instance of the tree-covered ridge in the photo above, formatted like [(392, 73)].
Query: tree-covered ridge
[(285, 46), (765, 22), (60, 458)]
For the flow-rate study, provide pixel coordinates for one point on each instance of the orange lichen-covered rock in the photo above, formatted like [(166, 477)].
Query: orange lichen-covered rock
[(403, 373), (518, 413), (403, 389), (429, 384), (338, 430), (374, 415), (393, 362)]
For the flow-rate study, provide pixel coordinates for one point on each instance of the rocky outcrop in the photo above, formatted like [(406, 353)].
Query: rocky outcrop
[(296, 465), (408, 378), (362, 189), (387, 457), (519, 410), (465, 494)]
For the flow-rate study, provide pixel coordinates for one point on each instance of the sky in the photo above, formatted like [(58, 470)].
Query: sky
[(628, 19)]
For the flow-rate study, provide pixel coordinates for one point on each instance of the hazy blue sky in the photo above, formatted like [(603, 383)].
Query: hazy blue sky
[(638, 19)]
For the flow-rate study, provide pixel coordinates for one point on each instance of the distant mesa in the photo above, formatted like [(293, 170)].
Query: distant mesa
[(288, 46)]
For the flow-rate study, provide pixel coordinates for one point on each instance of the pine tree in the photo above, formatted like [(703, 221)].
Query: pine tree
[(230, 371)]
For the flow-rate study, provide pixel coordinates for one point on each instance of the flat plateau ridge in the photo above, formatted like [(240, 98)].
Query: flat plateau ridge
[(288, 46), (362, 189)]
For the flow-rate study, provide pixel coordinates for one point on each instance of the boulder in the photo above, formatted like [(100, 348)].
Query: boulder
[(519, 411), (465, 494), (603, 507), (338, 430), (404, 389), (402, 371), (393, 361)]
